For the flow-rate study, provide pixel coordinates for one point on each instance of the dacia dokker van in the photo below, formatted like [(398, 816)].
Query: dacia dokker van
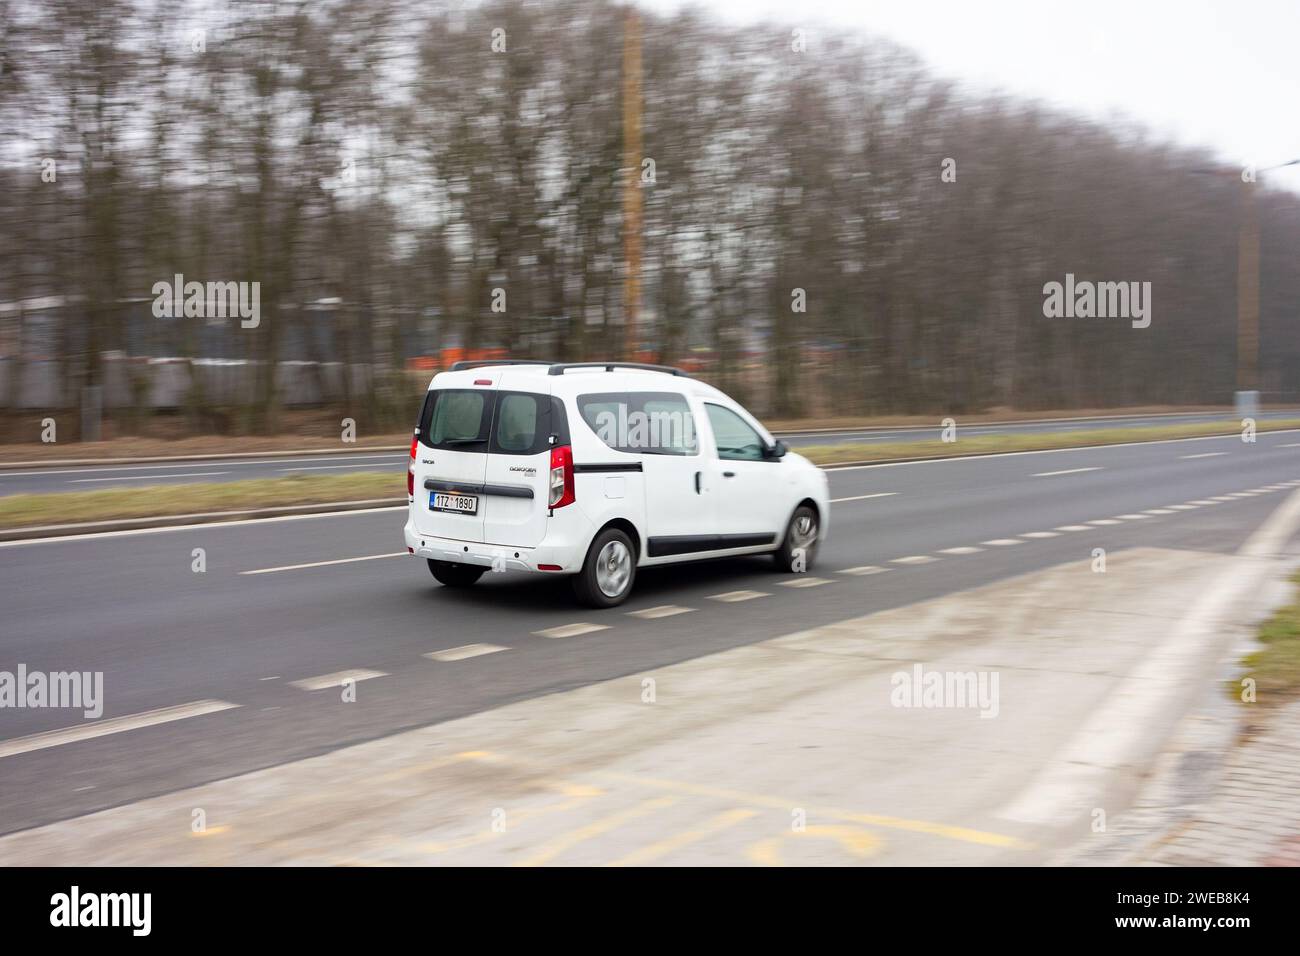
[(592, 470)]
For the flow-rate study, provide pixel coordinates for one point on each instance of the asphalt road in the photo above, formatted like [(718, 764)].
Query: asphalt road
[(130, 605), (85, 478)]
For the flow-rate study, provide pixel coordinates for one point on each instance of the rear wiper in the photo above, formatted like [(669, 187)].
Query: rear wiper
[(464, 441)]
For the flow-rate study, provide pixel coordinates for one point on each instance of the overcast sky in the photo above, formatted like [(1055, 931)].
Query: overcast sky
[(1217, 73)]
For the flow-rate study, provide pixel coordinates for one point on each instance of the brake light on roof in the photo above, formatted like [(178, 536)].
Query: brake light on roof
[(561, 484), (482, 381)]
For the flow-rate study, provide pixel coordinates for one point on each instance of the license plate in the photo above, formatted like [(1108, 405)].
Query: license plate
[(457, 504)]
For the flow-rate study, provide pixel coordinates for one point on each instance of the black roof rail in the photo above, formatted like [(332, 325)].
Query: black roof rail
[(479, 363), (561, 367)]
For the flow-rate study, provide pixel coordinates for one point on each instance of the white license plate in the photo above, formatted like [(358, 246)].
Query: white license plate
[(457, 504)]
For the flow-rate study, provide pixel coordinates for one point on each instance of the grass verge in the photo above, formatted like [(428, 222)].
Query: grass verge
[(25, 511), (990, 444), (1275, 668)]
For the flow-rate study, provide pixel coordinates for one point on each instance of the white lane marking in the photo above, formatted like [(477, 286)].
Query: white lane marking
[(1104, 522), (964, 549), (1132, 517), (1072, 527), (1222, 498), (663, 610), (1184, 507), (571, 630), (915, 559), (324, 467), (205, 525), (336, 679), (862, 570), (114, 725), (1067, 471), (803, 581), (1112, 736), (1290, 444), (1047, 451), (879, 494), (322, 564), (1003, 542), (1159, 511), (1208, 454), (1201, 502), (190, 474), (731, 597), (1041, 534), (156, 466), (1260, 491), (464, 652), (1243, 494)]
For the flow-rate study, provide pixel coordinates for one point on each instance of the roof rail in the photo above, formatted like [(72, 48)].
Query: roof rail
[(561, 367), (479, 363)]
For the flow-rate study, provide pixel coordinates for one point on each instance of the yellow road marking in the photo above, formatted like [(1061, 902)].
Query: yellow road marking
[(568, 841), (854, 839), (654, 851)]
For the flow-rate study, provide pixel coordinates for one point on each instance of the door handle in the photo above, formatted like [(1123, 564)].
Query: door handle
[(728, 474), (697, 482)]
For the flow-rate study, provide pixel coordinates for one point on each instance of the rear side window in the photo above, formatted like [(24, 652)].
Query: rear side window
[(648, 423), (500, 423)]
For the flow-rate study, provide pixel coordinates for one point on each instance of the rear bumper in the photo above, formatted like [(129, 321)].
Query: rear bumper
[(563, 547)]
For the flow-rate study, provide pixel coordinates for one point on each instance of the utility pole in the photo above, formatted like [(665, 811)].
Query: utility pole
[(631, 182), (1248, 302)]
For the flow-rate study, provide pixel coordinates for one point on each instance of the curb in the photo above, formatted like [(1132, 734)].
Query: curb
[(157, 459), (208, 517)]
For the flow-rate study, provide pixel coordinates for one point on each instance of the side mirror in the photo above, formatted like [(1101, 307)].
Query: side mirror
[(775, 451)]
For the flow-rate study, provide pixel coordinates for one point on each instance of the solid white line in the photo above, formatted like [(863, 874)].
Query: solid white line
[(882, 494), (464, 652), (964, 549), (191, 474), (101, 728), (324, 467), (336, 680), (206, 525), (1068, 471), (1208, 454), (664, 610), (322, 564), (571, 630)]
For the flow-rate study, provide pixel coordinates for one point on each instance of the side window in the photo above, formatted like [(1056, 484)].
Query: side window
[(735, 438), (648, 423)]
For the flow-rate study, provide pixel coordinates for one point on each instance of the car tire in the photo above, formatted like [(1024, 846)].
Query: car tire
[(608, 572), (454, 575), (801, 533)]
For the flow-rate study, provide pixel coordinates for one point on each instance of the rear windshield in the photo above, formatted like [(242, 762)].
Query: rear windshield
[(500, 423)]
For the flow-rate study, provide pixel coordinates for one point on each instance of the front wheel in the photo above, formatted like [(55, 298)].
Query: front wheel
[(798, 548), (455, 575), (607, 575)]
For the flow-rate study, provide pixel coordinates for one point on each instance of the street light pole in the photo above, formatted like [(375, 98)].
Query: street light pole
[(631, 186)]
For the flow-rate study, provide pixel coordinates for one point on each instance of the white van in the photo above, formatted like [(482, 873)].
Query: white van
[(594, 469)]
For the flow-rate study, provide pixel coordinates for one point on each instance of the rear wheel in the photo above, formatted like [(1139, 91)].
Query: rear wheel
[(455, 575), (799, 546), (607, 575)]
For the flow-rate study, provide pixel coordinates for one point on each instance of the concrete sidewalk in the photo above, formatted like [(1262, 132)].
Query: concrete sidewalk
[(812, 748)]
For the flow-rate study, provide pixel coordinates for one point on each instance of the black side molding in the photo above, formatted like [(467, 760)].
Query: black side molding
[(478, 488), (662, 547), (608, 466)]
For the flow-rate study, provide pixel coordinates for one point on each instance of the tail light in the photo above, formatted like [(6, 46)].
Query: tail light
[(410, 468), (562, 477)]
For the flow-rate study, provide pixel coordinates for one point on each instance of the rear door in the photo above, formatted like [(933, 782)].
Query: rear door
[(518, 465), (452, 455)]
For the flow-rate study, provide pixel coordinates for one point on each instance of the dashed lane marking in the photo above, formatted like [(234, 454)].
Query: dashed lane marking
[(862, 570), (337, 679), (915, 559), (1067, 471), (190, 474), (1205, 454), (731, 597), (803, 581), (1002, 542), (464, 652), (964, 549), (663, 610), (1041, 534), (880, 494), (571, 630)]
